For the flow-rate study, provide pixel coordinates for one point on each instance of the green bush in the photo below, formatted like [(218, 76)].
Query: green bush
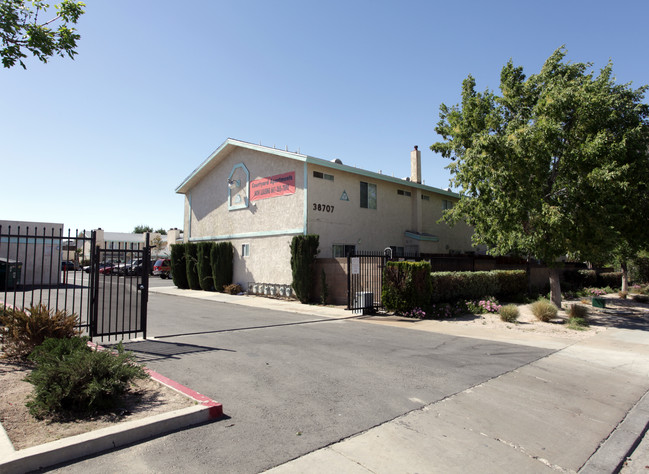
[(512, 284), (544, 310), (72, 380), (610, 279), (406, 285), (639, 270), (304, 248), (509, 313), (24, 330), (453, 286), (179, 266), (204, 266), (222, 261), (578, 317), (191, 264)]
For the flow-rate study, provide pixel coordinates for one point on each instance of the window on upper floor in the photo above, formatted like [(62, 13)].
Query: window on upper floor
[(342, 250), (447, 204), (245, 250), (318, 174), (425, 197), (401, 192), (368, 195)]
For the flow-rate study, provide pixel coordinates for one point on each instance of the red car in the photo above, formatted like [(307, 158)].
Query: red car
[(162, 267), (106, 268)]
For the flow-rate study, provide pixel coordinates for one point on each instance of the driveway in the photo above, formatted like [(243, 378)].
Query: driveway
[(293, 383)]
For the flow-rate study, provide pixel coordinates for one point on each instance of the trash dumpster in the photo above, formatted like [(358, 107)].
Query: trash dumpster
[(10, 273)]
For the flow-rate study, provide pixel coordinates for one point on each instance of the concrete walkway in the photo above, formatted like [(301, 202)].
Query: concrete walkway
[(581, 409)]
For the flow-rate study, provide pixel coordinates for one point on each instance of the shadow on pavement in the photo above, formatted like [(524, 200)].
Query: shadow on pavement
[(150, 350)]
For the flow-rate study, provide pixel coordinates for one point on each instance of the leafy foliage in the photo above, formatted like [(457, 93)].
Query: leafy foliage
[(406, 285), (21, 31), (70, 379), (203, 265), (233, 289), (555, 165), (222, 261), (141, 229), (179, 266), (24, 330), (191, 265), (304, 248)]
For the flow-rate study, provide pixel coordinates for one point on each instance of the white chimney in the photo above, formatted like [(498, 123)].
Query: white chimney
[(415, 165)]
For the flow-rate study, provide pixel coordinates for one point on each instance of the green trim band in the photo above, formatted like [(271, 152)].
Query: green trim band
[(422, 237), (247, 235)]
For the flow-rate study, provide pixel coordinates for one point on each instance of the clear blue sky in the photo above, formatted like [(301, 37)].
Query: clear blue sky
[(157, 86)]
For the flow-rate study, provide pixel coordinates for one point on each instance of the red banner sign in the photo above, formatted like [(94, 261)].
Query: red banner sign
[(272, 186)]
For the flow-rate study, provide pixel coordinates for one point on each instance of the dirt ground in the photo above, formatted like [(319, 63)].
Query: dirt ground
[(147, 398), (150, 397)]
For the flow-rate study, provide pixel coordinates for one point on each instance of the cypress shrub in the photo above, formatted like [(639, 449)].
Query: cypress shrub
[(191, 260), (203, 265), (406, 286), (304, 248), (222, 260), (179, 266)]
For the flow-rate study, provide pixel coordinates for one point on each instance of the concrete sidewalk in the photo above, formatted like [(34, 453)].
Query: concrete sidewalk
[(581, 409)]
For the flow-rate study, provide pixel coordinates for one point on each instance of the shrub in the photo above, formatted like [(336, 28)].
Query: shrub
[(610, 279), (233, 289), (487, 305), (509, 313), (452, 286), (415, 313), (24, 330), (304, 248), (406, 285), (222, 261), (512, 284), (179, 266), (641, 298), (203, 265), (623, 294), (544, 310), (639, 270), (191, 261), (70, 379), (577, 311), (446, 310)]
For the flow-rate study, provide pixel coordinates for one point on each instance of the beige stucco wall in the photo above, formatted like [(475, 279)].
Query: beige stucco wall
[(269, 260), (376, 229), (207, 203)]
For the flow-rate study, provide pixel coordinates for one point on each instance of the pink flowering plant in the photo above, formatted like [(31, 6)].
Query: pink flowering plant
[(596, 292), (415, 313), (488, 305)]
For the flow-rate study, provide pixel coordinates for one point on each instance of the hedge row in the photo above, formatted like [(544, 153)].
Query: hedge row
[(203, 266), (409, 285)]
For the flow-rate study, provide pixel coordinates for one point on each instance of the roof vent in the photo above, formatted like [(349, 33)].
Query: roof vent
[(407, 178), (337, 161)]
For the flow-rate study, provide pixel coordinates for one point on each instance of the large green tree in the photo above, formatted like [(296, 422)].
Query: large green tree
[(552, 166), (23, 30)]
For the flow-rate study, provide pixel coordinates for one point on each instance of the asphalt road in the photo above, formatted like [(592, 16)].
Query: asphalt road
[(291, 383)]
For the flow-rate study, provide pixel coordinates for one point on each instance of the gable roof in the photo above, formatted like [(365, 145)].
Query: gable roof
[(231, 144)]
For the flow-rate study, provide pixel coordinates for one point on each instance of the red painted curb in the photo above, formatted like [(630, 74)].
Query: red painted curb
[(215, 409)]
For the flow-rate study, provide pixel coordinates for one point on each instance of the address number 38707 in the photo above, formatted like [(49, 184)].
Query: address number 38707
[(323, 207)]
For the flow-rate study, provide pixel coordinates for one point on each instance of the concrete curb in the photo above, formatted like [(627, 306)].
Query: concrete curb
[(612, 453), (93, 442)]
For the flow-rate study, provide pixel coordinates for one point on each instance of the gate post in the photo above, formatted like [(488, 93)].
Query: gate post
[(94, 284), (144, 287)]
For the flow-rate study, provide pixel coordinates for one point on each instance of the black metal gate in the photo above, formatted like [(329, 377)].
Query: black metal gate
[(44, 266), (365, 281), (120, 287)]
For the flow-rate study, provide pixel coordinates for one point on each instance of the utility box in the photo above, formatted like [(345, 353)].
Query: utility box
[(598, 302), (10, 273), (363, 302)]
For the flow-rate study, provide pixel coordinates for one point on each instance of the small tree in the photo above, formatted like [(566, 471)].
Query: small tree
[(222, 260), (203, 266), (191, 263), (179, 266), (141, 229), (304, 248)]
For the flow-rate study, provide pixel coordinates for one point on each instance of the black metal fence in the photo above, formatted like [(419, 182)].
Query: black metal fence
[(107, 288), (365, 281)]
